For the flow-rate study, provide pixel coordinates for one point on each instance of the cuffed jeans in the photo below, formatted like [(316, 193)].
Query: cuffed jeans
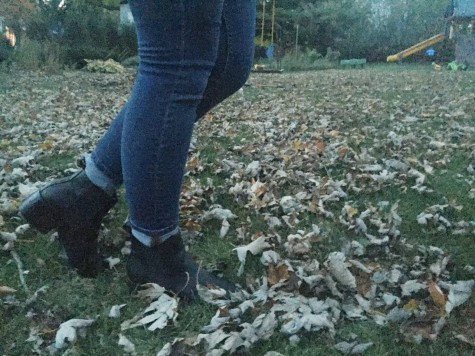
[(193, 55)]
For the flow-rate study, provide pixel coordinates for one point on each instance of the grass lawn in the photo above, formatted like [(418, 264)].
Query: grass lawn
[(379, 153)]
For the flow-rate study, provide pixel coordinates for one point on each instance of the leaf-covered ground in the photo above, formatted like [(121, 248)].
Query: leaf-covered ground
[(341, 201)]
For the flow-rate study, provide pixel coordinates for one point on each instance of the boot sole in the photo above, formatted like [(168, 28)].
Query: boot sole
[(39, 213)]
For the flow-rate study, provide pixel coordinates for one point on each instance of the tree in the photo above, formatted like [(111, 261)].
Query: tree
[(357, 28), (17, 12)]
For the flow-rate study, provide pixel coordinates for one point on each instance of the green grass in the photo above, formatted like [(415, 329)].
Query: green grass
[(69, 296)]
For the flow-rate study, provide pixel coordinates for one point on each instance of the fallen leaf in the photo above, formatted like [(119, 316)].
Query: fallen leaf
[(127, 345), (115, 311), (151, 291), (277, 273), (224, 228), (411, 306), (255, 247), (112, 261), (269, 257), (338, 268), (459, 293), (265, 325), (438, 297), (216, 296), (8, 236), (4, 290), (157, 314), (68, 331), (218, 213), (464, 339), (352, 348), (411, 287), (342, 152)]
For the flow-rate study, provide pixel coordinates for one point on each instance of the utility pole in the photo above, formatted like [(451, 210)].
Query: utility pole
[(273, 21), (297, 40), (263, 21)]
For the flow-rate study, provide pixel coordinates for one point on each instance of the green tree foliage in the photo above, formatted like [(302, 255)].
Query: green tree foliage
[(85, 29), (16, 12), (357, 28), (371, 29)]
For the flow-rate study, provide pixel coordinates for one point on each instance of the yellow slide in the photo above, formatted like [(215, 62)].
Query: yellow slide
[(416, 48)]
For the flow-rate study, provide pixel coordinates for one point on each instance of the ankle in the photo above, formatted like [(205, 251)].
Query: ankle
[(151, 241), (98, 178)]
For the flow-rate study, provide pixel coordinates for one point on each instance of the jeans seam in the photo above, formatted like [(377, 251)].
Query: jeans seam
[(166, 116)]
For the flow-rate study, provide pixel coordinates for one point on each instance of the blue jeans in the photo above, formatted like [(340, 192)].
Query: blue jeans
[(193, 55)]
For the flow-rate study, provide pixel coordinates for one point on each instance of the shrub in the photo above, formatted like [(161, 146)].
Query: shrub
[(331, 55), (5, 51), (72, 34), (309, 60), (35, 55), (128, 40)]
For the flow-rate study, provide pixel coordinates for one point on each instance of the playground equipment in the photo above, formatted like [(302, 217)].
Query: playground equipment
[(460, 17), (416, 48)]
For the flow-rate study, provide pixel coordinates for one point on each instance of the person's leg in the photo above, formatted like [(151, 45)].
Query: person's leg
[(178, 43), (156, 135), (235, 55), (103, 165), (76, 207), (230, 72)]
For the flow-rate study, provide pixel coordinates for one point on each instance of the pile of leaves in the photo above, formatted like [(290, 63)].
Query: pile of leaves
[(108, 66), (309, 177)]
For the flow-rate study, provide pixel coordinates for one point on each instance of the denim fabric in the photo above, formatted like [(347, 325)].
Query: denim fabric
[(193, 54)]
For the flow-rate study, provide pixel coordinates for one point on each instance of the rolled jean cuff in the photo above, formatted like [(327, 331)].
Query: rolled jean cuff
[(151, 239), (98, 178)]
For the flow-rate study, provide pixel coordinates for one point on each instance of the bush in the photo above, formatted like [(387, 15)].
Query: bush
[(35, 55), (93, 33), (5, 51), (309, 60), (72, 34), (331, 55), (128, 40), (2, 78)]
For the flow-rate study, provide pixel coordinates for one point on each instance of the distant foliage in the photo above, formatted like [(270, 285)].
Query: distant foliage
[(81, 29), (307, 60), (369, 29), (43, 55)]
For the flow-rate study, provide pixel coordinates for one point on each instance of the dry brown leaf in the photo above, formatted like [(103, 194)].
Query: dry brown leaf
[(191, 225), (277, 273), (342, 152), (320, 145), (4, 290), (298, 145), (438, 297), (412, 305)]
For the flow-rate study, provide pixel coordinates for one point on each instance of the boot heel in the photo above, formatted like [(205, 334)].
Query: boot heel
[(39, 213)]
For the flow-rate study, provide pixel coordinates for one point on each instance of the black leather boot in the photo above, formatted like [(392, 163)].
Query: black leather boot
[(170, 266), (75, 207)]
